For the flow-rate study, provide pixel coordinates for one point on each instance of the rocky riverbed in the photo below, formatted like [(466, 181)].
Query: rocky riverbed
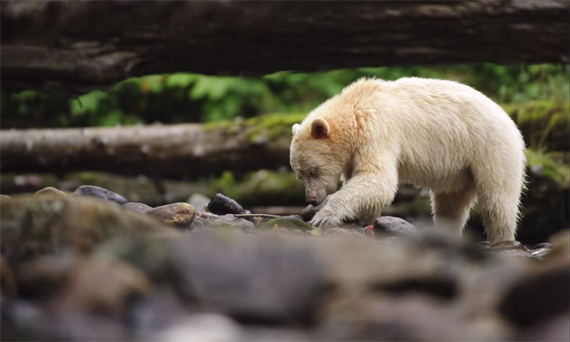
[(94, 266)]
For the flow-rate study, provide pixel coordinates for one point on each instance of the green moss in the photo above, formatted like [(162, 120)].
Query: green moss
[(270, 126), (287, 223), (273, 126)]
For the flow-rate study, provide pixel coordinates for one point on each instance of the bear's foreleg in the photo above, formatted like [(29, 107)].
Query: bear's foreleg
[(361, 198)]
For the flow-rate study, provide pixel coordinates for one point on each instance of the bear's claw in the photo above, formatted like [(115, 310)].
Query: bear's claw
[(325, 219)]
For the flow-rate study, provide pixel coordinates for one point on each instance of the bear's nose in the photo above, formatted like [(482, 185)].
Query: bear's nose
[(312, 201)]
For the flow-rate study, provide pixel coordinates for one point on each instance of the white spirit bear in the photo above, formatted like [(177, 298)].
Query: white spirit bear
[(435, 134)]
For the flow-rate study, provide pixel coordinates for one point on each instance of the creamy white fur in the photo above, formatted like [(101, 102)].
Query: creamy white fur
[(438, 135)]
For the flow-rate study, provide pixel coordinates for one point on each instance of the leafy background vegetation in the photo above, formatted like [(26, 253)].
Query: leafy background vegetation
[(536, 97), (199, 98)]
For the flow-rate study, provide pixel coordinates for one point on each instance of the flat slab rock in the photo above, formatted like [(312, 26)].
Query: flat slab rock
[(101, 193)]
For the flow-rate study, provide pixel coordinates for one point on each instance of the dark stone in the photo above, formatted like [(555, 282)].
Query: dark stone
[(444, 288), (309, 212), (555, 329), (537, 298), (396, 226), (175, 214), (136, 207), (101, 193), (222, 205)]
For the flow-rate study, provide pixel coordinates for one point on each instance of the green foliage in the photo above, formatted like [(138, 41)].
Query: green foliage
[(545, 125), (198, 98), (553, 165)]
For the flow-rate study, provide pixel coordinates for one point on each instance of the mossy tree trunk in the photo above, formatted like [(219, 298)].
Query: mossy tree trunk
[(165, 150)]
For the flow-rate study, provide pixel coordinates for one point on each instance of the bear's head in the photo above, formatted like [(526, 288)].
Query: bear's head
[(316, 159)]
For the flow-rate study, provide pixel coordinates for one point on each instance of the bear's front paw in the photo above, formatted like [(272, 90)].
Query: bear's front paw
[(326, 219)]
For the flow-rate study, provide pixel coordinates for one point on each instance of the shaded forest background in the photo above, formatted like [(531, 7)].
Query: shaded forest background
[(536, 96)]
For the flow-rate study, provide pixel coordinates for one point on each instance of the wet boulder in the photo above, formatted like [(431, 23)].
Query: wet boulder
[(175, 214), (33, 226)]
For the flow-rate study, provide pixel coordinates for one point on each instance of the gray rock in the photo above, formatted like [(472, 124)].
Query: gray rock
[(136, 207), (389, 225), (264, 280), (297, 232), (222, 205), (513, 248), (101, 193), (228, 220), (337, 232)]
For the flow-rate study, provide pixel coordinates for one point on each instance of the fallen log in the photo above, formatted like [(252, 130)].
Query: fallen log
[(202, 150), (81, 45), (187, 150)]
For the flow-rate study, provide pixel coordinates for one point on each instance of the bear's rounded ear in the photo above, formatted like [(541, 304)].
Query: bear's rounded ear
[(320, 128), (296, 129)]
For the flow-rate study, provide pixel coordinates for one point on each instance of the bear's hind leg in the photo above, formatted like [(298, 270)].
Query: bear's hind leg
[(451, 209), (498, 194), (499, 211)]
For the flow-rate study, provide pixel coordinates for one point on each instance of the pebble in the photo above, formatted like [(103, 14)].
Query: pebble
[(50, 191)]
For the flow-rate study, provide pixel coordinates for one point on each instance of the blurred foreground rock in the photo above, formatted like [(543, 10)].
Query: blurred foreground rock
[(77, 268)]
